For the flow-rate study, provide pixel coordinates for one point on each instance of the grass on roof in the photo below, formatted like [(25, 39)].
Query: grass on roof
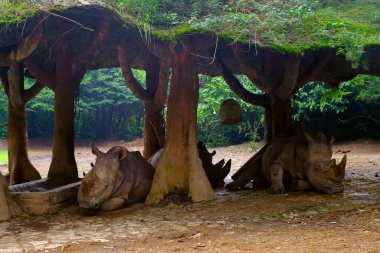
[(287, 26)]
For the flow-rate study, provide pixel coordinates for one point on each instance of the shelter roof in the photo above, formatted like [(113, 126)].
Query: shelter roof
[(349, 28)]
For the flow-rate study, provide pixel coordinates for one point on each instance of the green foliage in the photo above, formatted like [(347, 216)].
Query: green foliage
[(3, 157), (348, 112), (40, 113), (15, 12), (367, 88), (318, 96), (213, 91), (287, 26), (252, 133), (106, 108), (3, 115)]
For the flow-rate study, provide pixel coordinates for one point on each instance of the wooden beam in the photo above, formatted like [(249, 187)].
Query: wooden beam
[(292, 66), (238, 88), (260, 80), (313, 71), (26, 47), (130, 80), (40, 74), (94, 45)]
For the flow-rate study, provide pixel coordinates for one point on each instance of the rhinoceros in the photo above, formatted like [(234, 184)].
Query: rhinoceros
[(117, 178), (215, 172), (303, 162)]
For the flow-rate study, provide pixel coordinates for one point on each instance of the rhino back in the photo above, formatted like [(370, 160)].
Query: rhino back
[(138, 174)]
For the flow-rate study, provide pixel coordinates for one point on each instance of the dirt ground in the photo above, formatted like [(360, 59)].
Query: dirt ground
[(243, 221)]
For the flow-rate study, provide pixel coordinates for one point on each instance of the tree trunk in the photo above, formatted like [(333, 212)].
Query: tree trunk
[(63, 165), (8, 208), (180, 170), (268, 133), (151, 141), (20, 168), (281, 115)]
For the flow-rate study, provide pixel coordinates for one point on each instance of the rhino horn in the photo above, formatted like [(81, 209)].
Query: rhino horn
[(95, 150), (341, 168), (219, 165), (226, 169), (213, 153), (332, 163)]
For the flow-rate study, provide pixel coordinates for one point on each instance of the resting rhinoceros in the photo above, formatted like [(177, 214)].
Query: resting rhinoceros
[(117, 178), (215, 172), (303, 163)]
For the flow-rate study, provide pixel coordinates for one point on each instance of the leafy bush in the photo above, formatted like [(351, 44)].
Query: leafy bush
[(3, 115), (213, 91), (348, 112), (106, 108)]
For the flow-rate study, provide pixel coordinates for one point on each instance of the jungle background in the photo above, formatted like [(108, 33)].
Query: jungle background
[(107, 110)]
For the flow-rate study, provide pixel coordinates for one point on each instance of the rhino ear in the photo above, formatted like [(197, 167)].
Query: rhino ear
[(321, 137), (308, 138), (95, 150), (123, 153)]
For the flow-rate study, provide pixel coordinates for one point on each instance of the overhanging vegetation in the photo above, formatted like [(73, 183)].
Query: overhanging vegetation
[(287, 26)]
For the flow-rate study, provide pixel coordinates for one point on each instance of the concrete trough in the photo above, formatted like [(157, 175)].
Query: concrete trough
[(44, 196)]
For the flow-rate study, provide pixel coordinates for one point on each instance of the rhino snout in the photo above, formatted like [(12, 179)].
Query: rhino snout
[(333, 188), (89, 205)]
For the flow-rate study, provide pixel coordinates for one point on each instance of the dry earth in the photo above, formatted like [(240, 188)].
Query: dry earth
[(244, 221)]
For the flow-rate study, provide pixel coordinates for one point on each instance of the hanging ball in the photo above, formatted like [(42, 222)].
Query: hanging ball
[(230, 112)]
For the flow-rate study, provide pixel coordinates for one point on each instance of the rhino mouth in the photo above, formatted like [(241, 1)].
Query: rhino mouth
[(333, 188), (88, 205)]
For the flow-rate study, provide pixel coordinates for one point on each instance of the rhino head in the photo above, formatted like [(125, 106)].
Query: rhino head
[(323, 173), (98, 185)]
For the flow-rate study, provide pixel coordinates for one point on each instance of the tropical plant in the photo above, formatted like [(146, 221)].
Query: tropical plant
[(213, 91)]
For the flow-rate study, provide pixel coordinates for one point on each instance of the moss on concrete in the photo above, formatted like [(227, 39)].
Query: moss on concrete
[(287, 26)]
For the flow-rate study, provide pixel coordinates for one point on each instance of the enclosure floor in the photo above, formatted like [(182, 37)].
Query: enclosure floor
[(244, 221)]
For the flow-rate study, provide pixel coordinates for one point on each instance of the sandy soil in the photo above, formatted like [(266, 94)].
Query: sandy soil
[(244, 221)]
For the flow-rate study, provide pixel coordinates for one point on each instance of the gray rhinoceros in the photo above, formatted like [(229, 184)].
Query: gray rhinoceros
[(303, 163), (117, 178)]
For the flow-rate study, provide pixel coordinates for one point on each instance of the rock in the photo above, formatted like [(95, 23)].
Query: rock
[(194, 224), (196, 235), (39, 243), (222, 223), (311, 213)]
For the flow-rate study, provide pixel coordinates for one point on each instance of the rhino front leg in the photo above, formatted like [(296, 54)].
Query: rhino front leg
[(276, 175), (112, 204)]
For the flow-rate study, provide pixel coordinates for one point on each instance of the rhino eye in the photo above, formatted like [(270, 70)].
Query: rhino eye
[(106, 186)]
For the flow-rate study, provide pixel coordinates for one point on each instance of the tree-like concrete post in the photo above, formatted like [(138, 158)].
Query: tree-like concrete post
[(180, 170)]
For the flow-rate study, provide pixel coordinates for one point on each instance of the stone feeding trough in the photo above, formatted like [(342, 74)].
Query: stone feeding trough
[(44, 196)]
